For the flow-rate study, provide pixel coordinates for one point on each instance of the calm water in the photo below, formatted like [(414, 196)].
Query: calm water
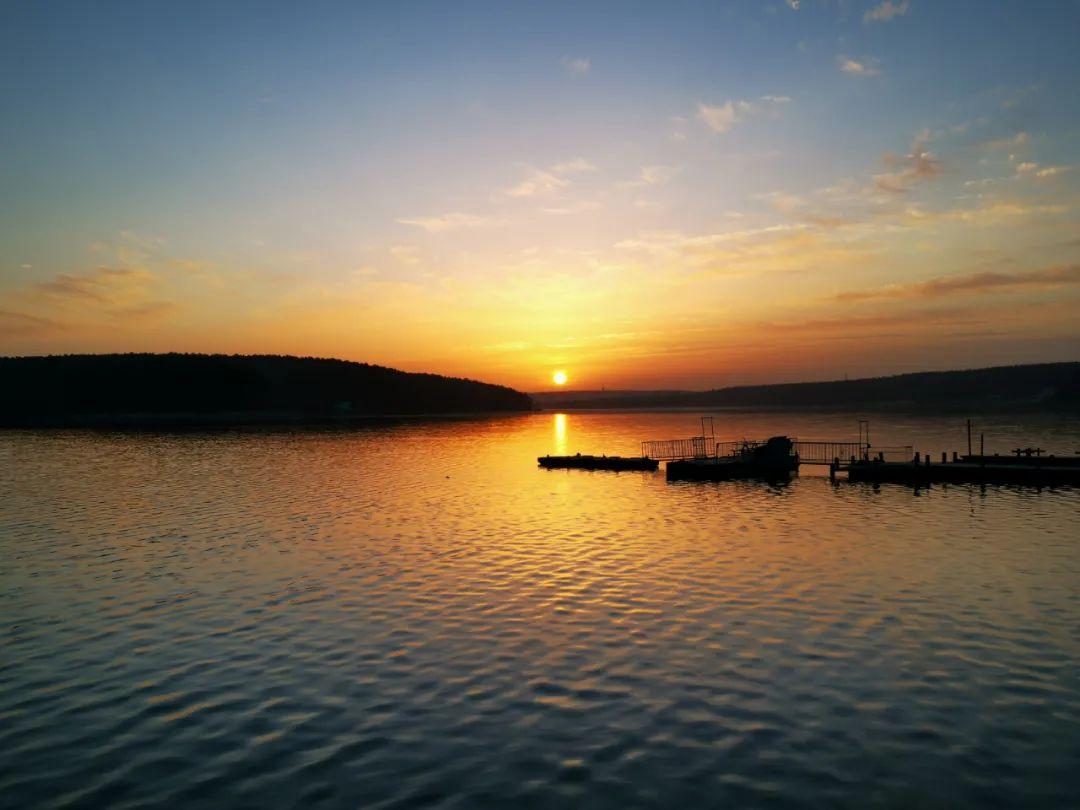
[(418, 616)]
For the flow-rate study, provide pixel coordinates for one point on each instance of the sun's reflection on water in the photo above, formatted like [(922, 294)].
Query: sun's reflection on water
[(560, 434)]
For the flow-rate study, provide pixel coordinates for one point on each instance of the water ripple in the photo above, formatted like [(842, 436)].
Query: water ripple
[(418, 617)]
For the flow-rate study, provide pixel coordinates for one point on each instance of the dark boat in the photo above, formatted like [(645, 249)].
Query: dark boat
[(773, 460), (580, 462)]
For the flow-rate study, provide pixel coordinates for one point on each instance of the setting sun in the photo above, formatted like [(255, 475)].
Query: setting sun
[(559, 378)]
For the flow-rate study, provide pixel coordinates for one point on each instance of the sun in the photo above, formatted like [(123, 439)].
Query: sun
[(559, 378)]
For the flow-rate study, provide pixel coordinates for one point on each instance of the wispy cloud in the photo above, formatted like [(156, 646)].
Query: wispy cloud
[(722, 117), (793, 4), (669, 241), (783, 202), (117, 294), (580, 207), (1044, 278), (100, 285), (573, 166), (449, 222), (15, 324), (651, 176), (782, 248), (1013, 142), (885, 11), (538, 182), (854, 67), (406, 254), (1031, 169), (907, 170), (577, 65), (547, 181)]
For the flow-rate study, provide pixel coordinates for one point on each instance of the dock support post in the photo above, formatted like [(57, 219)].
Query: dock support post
[(944, 457), (969, 436)]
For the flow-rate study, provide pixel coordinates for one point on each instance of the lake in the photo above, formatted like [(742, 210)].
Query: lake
[(415, 615)]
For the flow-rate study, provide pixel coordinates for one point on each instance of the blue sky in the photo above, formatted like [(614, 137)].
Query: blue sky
[(545, 183)]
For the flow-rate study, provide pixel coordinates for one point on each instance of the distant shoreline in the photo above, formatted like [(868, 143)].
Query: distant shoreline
[(231, 420), (913, 408), (1048, 387)]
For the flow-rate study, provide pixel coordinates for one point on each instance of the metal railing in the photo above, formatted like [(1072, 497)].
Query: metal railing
[(825, 452), (897, 453), (675, 449), (725, 449), (809, 452)]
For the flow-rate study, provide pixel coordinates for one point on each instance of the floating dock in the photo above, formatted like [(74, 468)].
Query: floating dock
[(771, 460), (1048, 471), (702, 458), (615, 463)]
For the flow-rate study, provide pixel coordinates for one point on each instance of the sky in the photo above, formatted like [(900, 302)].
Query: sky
[(642, 195)]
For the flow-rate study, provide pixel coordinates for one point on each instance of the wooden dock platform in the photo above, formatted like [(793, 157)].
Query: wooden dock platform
[(613, 463), (967, 470)]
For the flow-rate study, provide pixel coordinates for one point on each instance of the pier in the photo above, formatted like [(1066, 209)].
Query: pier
[(703, 458), (1031, 471)]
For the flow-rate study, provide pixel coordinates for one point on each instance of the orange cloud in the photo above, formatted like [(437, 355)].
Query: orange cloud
[(974, 282)]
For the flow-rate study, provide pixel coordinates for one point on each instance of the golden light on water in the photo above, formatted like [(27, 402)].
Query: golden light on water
[(560, 434), (559, 378)]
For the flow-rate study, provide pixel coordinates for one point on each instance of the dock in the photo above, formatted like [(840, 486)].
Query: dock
[(772, 460), (1048, 471), (702, 458), (613, 463)]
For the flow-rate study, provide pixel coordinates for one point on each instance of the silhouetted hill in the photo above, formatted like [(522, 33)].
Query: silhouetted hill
[(199, 388), (1042, 386)]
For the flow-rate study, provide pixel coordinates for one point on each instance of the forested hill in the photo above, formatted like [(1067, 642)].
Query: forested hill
[(1042, 386), (198, 388)]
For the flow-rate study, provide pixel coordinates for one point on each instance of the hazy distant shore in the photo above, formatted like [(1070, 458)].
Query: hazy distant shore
[(1037, 387)]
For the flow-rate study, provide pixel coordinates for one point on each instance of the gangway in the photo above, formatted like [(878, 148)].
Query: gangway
[(703, 446)]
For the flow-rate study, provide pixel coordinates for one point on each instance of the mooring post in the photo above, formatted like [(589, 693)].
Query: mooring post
[(955, 458), (969, 436), (944, 457)]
